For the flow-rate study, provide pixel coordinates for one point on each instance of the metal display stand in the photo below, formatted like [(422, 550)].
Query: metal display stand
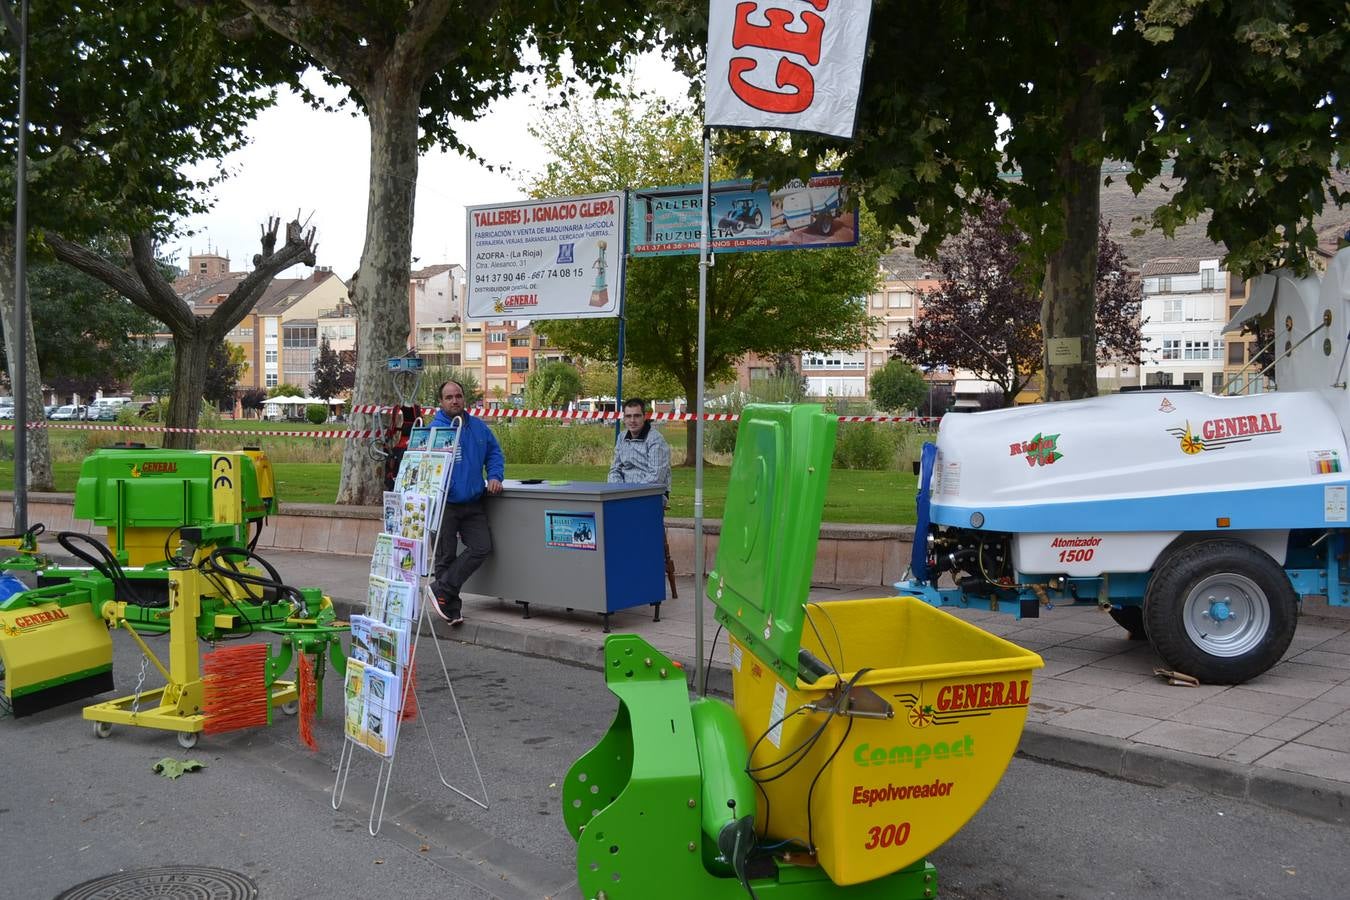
[(408, 690)]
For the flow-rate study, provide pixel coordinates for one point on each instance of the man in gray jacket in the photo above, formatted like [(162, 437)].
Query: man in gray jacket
[(642, 456)]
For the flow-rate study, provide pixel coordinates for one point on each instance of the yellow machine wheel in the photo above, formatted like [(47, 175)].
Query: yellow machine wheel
[(102, 729), (187, 739)]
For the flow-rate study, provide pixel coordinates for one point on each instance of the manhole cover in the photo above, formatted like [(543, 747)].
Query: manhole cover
[(175, 882)]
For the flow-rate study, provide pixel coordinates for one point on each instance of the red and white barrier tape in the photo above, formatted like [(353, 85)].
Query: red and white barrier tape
[(366, 434), (86, 426), (610, 416)]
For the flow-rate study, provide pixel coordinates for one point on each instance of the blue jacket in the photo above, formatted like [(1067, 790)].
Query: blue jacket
[(478, 449)]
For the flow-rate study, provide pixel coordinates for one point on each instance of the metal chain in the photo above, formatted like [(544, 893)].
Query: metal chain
[(140, 681)]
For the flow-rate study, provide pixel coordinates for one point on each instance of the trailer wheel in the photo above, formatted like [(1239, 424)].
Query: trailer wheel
[(187, 739), (102, 729), (825, 223), (1222, 611)]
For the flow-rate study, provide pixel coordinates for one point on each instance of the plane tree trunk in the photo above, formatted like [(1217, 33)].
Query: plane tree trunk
[(39, 476)]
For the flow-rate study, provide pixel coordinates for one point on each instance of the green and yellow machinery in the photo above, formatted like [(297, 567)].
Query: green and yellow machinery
[(863, 733), (178, 562)]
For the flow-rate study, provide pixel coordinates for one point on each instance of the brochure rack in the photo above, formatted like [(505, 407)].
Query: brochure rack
[(379, 684)]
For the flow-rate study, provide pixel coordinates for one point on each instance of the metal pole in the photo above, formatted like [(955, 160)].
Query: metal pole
[(21, 288), (618, 386), (704, 263)]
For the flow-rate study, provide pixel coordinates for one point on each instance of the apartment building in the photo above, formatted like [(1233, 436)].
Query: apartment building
[(1185, 307)]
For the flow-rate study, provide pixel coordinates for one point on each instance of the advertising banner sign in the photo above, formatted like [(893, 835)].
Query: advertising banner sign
[(666, 221), (546, 259), (786, 65)]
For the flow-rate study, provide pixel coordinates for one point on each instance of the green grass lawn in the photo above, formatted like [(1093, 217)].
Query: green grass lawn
[(854, 496)]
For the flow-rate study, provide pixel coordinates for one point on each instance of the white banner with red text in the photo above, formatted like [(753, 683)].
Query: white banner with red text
[(786, 65), (560, 258)]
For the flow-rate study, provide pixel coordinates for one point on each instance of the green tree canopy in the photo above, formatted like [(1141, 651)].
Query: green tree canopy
[(554, 384), (155, 375), (600, 379), (418, 69), (79, 313), (983, 316), (1241, 102), (898, 387), (332, 375), (767, 303)]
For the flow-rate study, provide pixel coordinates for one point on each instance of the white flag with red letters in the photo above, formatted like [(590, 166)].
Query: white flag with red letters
[(789, 65)]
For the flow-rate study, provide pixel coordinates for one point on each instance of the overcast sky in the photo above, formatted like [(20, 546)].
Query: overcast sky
[(317, 163)]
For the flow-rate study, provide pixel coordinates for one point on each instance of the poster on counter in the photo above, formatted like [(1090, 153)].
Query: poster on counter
[(668, 221), (569, 530), (546, 259)]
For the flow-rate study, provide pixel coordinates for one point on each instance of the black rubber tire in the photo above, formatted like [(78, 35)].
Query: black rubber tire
[(1257, 590), (825, 224), (1131, 618), (757, 220)]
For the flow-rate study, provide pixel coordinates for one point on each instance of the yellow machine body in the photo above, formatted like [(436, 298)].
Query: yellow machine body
[(47, 648), (888, 789)]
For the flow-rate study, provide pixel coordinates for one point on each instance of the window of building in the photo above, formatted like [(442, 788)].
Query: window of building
[(300, 337), (1235, 352), (1236, 286), (1233, 311), (1165, 284), (497, 337), (877, 301), (541, 340), (1193, 381), (473, 352), (1203, 350), (271, 379), (1171, 349), (1158, 379), (759, 373), (520, 342), (1206, 279), (893, 299), (1217, 381), (496, 359), (833, 361), (270, 356), (1174, 309), (520, 364), (452, 359), (878, 360)]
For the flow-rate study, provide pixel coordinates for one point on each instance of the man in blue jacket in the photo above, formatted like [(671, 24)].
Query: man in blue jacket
[(464, 517)]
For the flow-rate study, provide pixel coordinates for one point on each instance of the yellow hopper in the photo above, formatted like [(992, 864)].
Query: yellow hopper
[(876, 727), (873, 790)]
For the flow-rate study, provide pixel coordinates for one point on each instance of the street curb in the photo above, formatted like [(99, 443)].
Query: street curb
[(1303, 795)]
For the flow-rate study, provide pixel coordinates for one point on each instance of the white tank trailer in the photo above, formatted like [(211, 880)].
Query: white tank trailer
[(1199, 521)]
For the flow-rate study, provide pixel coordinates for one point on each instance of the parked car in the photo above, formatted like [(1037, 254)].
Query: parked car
[(69, 412), (7, 411), (49, 409)]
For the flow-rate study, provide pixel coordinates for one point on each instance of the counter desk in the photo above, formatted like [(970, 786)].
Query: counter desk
[(578, 545)]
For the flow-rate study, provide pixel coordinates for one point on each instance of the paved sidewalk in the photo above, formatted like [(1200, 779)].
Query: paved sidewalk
[(1282, 739)]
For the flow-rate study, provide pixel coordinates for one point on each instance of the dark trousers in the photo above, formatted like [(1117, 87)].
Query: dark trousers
[(467, 522)]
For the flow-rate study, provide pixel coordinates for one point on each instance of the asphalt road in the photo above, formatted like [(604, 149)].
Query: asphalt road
[(73, 808)]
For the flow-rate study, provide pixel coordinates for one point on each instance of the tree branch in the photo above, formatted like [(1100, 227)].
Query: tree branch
[(310, 27), (161, 300), (299, 247), (417, 40), (95, 266)]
